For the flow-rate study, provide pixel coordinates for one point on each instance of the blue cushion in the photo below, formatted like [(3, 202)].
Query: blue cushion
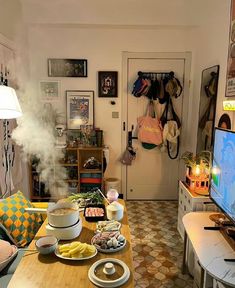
[(4, 280)]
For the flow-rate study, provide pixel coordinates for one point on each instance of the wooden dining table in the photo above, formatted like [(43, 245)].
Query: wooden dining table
[(49, 271)]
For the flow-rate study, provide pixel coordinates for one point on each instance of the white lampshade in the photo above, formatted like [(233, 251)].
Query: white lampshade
[(9, 104)]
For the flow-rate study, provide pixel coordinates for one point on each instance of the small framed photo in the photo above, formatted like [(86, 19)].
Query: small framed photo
[(49, 90), (67, 67), (80, 108), (108, 83)]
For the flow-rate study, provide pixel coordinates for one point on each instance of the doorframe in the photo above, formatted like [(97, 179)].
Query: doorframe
[(186, 56)]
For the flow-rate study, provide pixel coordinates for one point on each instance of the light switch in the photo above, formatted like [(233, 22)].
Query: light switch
[(115, 114)]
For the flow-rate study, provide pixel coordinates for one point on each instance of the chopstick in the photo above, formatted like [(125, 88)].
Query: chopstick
[(26, 249), (103, 196)]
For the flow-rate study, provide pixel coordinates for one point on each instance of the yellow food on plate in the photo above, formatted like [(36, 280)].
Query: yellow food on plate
[(66, 254), (76, 250)]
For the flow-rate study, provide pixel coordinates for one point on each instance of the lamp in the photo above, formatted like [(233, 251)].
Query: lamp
[(9, 109), (9, 104)]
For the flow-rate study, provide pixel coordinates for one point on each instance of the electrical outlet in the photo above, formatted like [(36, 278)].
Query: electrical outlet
[(115, 114)]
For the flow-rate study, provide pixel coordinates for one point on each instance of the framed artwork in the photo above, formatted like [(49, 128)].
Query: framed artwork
[(67, 67), (108, 84), (230, 78), (225, 122), (49, 90), (80, 108)]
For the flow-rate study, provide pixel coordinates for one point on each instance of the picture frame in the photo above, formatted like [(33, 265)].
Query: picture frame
[(67, 67), (49, 90), (230, 75), (107, 83), (80, 108)]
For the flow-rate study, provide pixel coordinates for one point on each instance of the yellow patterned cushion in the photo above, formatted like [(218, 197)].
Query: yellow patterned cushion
[(21, 225)]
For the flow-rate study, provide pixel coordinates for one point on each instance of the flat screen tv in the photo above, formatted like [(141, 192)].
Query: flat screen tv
[(222, 186)]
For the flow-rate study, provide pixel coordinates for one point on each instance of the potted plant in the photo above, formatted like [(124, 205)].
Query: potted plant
[(197, 171), (202, 159)]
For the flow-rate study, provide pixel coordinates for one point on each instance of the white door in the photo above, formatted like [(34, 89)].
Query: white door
[(153, 175)]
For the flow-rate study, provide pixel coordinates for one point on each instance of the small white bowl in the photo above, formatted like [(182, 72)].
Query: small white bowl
[(46, 244)]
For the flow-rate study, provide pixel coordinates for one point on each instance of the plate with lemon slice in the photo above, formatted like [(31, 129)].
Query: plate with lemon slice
[(76, 251)]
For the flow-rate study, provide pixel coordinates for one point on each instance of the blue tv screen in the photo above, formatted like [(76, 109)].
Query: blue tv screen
[(222, 188)]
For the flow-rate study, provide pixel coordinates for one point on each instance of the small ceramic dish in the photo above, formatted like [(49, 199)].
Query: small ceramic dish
[(109, 273), (46, 244), (108, 226)]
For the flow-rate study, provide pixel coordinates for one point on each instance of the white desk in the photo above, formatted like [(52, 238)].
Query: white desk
[(210, 247)]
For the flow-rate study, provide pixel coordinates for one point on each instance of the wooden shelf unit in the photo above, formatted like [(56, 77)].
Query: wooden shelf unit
[(79, 178)]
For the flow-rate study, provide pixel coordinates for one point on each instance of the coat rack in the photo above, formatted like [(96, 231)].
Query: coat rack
[(154, 75)]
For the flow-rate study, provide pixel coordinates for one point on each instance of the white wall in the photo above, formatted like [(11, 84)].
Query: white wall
[(13, 35), (10, 17), (122, 12), (210, 45), (90, 31), (100, 31), (103, 49)]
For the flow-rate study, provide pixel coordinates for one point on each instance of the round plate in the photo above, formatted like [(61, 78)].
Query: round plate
[(57, 253), (121, 245), (218, 218)]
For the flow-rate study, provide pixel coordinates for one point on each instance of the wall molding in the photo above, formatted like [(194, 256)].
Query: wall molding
[(7, 42)]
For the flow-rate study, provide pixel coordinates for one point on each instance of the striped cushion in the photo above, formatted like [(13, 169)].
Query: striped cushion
[(21, 225)]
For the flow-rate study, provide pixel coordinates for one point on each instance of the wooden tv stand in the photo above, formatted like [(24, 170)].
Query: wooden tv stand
[(210, 249)]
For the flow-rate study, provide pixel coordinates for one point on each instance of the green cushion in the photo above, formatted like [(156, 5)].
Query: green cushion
[(19, 224)]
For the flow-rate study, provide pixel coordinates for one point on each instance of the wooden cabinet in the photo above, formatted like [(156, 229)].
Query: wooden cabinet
[(82, 172)]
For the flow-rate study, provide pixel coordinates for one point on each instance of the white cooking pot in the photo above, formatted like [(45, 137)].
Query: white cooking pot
[(63, 220), (68, 233), (114, 211)]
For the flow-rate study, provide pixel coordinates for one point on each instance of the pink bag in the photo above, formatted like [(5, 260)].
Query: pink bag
[(149, 128)]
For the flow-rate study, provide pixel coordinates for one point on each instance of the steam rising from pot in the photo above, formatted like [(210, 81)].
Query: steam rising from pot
[(35, 133)]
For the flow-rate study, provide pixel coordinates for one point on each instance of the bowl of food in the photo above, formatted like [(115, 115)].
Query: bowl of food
[(115, 211), (94, 213), (63, 214), (46, 244)]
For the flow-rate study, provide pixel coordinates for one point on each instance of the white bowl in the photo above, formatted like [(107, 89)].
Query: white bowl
[(46, 244), (63, 220), (115, 211)]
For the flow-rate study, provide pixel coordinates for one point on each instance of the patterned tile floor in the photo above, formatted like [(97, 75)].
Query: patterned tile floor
[(157, 245)]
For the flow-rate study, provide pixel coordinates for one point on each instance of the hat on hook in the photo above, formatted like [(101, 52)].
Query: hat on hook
[(173, 87), (137, 86)]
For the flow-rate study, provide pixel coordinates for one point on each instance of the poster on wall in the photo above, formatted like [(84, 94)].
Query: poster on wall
[(80, 108), (49, 90), (230, 85)]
